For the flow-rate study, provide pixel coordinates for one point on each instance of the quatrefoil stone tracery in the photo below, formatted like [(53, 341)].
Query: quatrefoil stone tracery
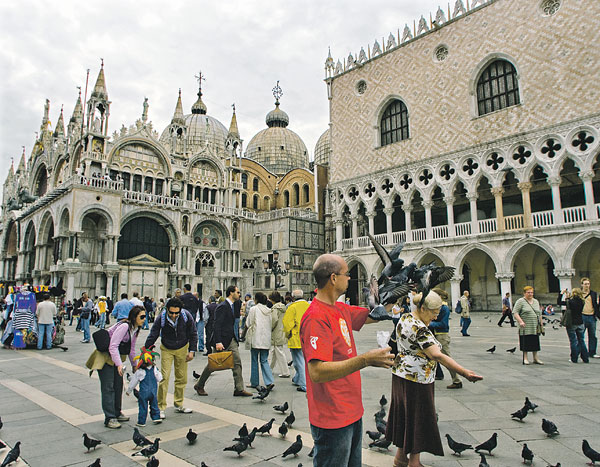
[(582, 140), (470, 167), (522, 155), (369, 190), (353, 193), (425, 177), (551, 148), (387, 186), (447, 172), (405, 181)]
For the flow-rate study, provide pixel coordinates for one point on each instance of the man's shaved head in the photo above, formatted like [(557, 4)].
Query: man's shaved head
[(325, 266)]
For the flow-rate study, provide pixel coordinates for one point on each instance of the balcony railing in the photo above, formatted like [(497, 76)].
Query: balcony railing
[(462, 229), (418, 235), (513, 222), (347, 244), (574, 214), (487, 225), (542, 218), (398, 237), (382, 238), (287, 212), (440, 231), (97, 182)]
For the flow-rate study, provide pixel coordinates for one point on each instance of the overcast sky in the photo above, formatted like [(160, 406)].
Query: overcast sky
[(153, 48)]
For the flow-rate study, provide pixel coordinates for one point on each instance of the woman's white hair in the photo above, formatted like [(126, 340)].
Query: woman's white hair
[(432, 301)]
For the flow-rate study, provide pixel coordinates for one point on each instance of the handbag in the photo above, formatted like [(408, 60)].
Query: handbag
[(220, 361), (567, 319), (101, 340)]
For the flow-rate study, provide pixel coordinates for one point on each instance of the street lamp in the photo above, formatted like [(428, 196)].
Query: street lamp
[(275, 268)]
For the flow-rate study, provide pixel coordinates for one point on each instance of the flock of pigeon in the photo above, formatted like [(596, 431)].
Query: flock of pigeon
[(380, 424)]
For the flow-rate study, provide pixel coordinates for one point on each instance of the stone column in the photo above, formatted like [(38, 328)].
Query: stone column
[(109, 284), (388, 224), (455, 292), (339, 233), (505, 279), (98, 288), (525, 187), (449, 200), (428, 227), (371, 217), (408, 222), (565, 277), (472, 197), (554, 183), (588, 190), (497, 191), (354, 229), (70, 284)]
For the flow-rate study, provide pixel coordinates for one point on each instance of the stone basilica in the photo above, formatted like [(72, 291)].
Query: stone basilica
[(139, 211), (473, 136)]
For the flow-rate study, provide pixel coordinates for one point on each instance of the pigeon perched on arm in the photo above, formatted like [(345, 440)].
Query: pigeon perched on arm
[(457, 447), (520, 414), (139, 439), (149, 451), (530, 405), (290, 419), (238, 447), (12, 455), (527, 454), (191, 436), (266, 428), (295, 447), (381, 443), (488, 445), (90, 443), (549, 428), (592, 455), (281, 408), (283, 429)]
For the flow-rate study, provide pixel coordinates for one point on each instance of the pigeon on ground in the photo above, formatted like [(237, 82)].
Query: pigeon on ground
[(202, 464), (290, 419), (281, 408), (492, 350), (549, 428), (149, 451), (374, 435), (383, 401), (380, 443), (381, 426), (263, 392), (527, 455), (243, 431), (488, 445), (530, 405), (195, 375), (457, 447), (312, 452), (483, 461), (238, 447), (153, 462), (588, 452), (512, 350), (90, 443), (14, 454), (139, 439), (557, 465), (295, 447), (191, 436), (96, 463), (283, 429), (380, 415), (266, 428), (249, 438), (520, 414)]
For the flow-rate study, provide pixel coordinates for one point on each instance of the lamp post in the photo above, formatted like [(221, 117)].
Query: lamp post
[(274, 267)]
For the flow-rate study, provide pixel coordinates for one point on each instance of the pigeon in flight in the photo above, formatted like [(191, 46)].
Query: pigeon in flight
[(380, 444), (457, 447), (374, 435), (512, 350), (266, 428), (492, 350), (139, 439), (392, 262), (283, 429), (549, 428), (149, 451), (90, 443), (520, 414), (153, 462), (488, 445), (295, 447), (527, 454), (12, 455), (238, 447), (530, 405), (588, 452), (191, 436), (290, 419), (281, 408)]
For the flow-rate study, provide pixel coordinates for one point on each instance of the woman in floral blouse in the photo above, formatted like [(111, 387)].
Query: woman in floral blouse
[(412, 422)]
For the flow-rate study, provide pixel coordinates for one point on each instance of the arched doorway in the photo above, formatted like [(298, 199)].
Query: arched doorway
[(29, 252), (533, 266), (358, 280), (586, 262), (10, 254), (479, 278)]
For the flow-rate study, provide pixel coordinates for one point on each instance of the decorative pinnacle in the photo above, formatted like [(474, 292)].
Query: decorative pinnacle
[(233, 107), (200, 77), (79, 88), (277, 93), (101, 62)]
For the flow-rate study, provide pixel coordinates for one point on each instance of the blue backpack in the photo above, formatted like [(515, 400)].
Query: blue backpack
[(458, 308)]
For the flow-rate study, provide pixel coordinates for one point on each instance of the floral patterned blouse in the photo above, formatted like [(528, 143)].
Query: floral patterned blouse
[(411, 363)]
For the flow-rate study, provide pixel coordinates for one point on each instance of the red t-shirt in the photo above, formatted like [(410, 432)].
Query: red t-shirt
[(326, 335)]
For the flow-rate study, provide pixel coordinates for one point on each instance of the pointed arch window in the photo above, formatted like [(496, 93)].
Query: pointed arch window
[(394, 123), (497, 87)]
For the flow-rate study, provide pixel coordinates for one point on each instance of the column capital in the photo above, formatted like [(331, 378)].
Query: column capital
[(427, 204), (388, 211), (370, 214), (457, 278), (408, 208), (554, 181), (587, 176), (524, 186), (564, 273), (497, 191), (449, 200), (472, 196), (338, 220), (505, 276)]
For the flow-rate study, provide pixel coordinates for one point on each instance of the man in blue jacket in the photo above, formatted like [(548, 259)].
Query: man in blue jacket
[(440, 327), (178, 340)]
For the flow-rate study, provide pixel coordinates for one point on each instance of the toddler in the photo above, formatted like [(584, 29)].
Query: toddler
[(148, 377)]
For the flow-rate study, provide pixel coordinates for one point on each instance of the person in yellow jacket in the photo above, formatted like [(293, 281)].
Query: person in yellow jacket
[(291, 328), (100, 309)]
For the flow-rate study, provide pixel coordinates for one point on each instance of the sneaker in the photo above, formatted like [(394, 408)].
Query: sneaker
[(140, 424), (113, 423), (157, 421), (162, 415), (123, 418), (183, 410), (454, 386), (300, 389), (595, 356), (84, 341), (283, 376)]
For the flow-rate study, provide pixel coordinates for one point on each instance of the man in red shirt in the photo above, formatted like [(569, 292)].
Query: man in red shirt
[(334, 394)]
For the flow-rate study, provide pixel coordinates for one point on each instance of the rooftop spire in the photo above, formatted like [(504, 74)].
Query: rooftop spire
[(199, 107), (233, 128), (277, 117), (78, 110), (45, 118), (59, 130), (21, 167), (178, 116), (100, 86)]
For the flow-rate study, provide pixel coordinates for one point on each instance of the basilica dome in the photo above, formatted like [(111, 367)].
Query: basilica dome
[(278, 148), (323, 149)]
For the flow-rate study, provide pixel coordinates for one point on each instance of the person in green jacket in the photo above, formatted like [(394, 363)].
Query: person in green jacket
[(528, 313)]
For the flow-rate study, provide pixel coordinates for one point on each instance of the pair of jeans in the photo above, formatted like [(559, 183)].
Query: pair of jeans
[(85, 325), (589, 323), (148, 397), (78, 327), (145, 325), (338, 447), (200, 328), (299, 378), (577, 342), (236, 328), (263, 356), (45, 330), (465, 323), (101, 324), (111, 390)]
